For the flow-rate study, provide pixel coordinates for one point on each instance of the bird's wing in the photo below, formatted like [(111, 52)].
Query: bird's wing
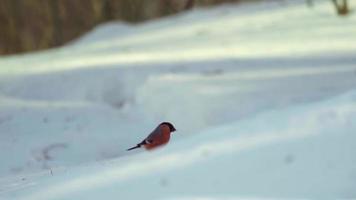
[(153, 136)]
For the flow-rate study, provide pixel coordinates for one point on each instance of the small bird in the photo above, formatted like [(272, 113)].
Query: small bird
[(157, 137)]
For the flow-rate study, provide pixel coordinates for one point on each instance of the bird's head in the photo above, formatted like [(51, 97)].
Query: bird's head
[(171, 127)]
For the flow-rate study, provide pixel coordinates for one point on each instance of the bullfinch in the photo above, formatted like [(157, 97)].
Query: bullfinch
[(157, 137)]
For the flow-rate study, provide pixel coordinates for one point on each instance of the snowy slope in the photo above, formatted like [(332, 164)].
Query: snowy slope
[(307, 153), (263, 97)]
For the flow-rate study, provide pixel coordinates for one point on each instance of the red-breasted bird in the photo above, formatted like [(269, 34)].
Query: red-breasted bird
[(157, 137)]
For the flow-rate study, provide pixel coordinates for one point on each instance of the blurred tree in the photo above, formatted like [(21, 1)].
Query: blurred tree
[(189, 4), (56, 23), (107, 10), (131, 10), (10, 20), (310, 3), (341, 7), (27, 25)]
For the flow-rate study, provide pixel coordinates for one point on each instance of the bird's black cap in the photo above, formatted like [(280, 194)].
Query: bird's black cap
[(171, 127)]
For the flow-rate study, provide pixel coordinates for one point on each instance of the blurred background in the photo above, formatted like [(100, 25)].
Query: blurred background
[(29, 25)]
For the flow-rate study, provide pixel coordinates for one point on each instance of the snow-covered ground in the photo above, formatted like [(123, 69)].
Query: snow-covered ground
[(263, 97)]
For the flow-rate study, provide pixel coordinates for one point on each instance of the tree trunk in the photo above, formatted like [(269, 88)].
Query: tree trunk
[(189, 4), (15, 25), (341, 7), (107, 14), (56, 23)]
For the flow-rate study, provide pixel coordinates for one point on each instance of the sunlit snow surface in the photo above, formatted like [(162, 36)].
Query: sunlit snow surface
[(263, 97)]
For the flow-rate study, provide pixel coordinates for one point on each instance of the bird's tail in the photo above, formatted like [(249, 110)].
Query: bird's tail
[(135, 147)]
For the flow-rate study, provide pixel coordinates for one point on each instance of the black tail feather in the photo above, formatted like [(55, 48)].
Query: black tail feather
[(135, 147)]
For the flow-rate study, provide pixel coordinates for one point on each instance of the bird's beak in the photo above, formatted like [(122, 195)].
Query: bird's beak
[(174, 129)]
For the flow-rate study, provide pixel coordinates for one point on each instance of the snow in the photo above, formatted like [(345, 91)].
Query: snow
[(263, 97)]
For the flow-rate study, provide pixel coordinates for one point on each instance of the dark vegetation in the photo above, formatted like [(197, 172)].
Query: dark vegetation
[(28, 25)]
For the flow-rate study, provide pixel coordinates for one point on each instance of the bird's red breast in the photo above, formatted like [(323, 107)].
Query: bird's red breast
[(160, 139)]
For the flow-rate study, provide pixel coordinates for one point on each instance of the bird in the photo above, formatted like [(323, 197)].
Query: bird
[(158, 137)]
